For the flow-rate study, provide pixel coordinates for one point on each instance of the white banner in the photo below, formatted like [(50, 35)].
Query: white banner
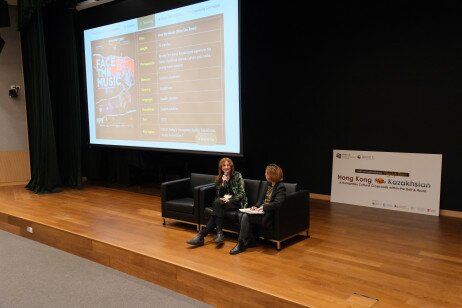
[(406, 182)]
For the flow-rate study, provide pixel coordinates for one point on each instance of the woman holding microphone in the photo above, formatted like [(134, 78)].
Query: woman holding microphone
[(230, 196)]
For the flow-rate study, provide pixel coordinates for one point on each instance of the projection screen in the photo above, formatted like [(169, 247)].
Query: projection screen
[(167, 81)]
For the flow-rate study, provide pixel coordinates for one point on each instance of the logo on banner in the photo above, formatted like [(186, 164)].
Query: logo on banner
[(344, 156), (388, 205), (353, 156)]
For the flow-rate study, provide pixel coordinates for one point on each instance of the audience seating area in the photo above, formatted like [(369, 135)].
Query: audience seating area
[(190, 200)]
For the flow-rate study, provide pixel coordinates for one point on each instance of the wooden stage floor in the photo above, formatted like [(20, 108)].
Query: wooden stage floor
[(356, 256)]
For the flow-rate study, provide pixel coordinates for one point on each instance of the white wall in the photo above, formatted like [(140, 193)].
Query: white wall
[(13, 127), (14, 154)]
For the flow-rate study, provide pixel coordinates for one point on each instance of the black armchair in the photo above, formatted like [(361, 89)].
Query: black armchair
[(180, 199), (292, 218)]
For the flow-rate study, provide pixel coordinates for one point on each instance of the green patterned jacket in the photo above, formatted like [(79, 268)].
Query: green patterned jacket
[(235, 187)]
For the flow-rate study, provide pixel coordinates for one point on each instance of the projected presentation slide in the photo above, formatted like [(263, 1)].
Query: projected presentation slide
[(168, 80)]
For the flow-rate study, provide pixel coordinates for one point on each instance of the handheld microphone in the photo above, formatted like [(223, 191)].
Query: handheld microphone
[(227, 176)]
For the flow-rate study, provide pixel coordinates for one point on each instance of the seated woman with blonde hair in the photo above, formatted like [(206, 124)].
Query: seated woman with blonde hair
[(274, 196)]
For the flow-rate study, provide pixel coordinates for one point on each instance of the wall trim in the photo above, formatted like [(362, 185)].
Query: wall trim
[(14, 167), (450, 213), (14, 183), (320, 197)]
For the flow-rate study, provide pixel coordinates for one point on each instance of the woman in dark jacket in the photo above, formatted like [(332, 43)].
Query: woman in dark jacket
[(272, 199), (230, 196)]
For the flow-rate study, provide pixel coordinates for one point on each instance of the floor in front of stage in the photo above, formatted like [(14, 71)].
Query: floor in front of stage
[(356, 256)]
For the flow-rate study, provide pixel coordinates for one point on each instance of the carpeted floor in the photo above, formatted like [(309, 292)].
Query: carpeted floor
[(36, 275)]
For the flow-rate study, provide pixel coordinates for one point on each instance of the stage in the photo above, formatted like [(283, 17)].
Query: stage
[(356, 256)]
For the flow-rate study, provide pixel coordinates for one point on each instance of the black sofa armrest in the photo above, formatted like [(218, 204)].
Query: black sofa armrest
[(197, 193), (293, 216), (175, 189), (207, 195)]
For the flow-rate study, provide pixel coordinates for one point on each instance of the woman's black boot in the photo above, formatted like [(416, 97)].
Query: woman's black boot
[(198, 240), (240, 247), (220, 236)]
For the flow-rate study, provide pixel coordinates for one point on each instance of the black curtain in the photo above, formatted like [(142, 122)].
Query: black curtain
[(52, 94), (62, 54)]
